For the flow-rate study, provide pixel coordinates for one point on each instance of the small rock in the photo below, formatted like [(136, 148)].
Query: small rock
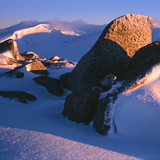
[(55, 58), (37, 67), (107, 82)]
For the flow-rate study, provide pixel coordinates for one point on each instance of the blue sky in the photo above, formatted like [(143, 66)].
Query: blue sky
[(90, 11)]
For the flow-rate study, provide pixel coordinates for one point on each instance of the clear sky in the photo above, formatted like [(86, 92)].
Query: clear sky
[(90, 11)]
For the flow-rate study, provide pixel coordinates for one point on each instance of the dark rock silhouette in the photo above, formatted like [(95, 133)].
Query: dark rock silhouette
[(64, 79), (51, 84), (142, 61), (22, 96), (81, 105)]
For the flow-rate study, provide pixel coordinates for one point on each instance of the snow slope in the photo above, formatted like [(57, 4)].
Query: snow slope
[(38, 130)]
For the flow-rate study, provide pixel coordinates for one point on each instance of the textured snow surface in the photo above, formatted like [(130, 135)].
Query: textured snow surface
[(24, 144), (38, 130)]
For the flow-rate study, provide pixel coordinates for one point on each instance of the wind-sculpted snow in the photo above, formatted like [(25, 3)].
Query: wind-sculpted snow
[(38, 130), (150, 89), (140, 106)]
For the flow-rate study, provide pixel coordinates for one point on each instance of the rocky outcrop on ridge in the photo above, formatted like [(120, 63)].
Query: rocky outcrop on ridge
[(111, 53), (10, 45)]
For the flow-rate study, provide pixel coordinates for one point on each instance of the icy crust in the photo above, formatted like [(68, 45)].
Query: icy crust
[(137, 111)]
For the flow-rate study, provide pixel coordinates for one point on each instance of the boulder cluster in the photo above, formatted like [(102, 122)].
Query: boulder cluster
[(9, 56), (123, 53)]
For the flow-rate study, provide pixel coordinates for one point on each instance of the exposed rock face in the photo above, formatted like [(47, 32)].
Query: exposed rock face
[(107, 82), (81, 105), (143, 60), (105, 57), (131, 32), (31, 56), (111, 53), (104, 117), (51, 84), (37, 67), (11, 45), (22, 96)]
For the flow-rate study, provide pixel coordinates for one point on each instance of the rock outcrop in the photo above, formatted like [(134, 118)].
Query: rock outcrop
[(51, 84), (142, 61), (10, 45), (37, 67), (81, 105), (107, 82), (116, 54), (111, 53), (29, 56)]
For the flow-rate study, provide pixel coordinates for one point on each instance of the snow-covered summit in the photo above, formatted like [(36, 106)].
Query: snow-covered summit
[(43, 28)]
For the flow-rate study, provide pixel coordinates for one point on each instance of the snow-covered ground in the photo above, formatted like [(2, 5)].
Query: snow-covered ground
[(38, 130)]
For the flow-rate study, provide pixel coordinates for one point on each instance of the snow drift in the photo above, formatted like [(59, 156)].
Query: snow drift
[(37, 130)]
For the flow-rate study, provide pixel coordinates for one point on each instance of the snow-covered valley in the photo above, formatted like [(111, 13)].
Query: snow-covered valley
[(37, 130)]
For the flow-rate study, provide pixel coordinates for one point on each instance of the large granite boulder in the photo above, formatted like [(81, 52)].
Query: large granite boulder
[(81, 105), (111, 53), (10, 45), (51, 84)]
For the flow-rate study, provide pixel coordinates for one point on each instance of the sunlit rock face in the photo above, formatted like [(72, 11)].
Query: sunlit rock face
[(10, 45), (131, 32), (113, 50)]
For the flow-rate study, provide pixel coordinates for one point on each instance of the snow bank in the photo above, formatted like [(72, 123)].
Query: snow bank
[(137, 112), (41, 28), (37, 145)]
